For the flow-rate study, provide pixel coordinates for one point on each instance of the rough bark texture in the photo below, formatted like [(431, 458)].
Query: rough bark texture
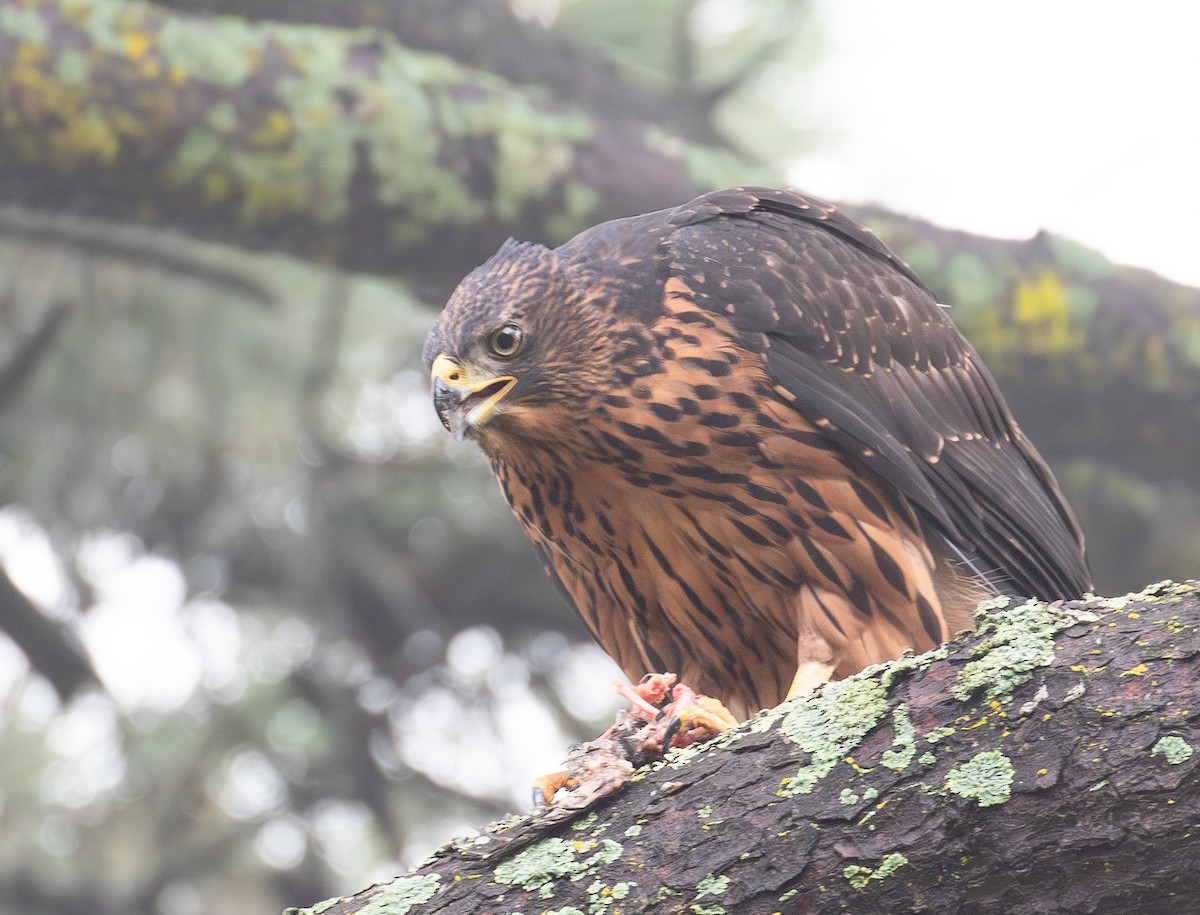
[(1044, 764), (338, 145)]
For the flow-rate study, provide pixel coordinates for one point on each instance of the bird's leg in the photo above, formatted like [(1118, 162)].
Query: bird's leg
[(809, 676), (814, 664)]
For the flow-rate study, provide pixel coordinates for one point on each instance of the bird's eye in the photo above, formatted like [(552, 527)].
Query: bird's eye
[(507, 341)]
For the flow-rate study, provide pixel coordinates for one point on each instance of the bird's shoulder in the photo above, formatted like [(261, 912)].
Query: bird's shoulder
[(770, 261)]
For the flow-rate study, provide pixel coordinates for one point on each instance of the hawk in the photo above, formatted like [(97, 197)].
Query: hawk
[(749, 443)]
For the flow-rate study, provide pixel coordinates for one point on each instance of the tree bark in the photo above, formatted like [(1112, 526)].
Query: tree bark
[(340, 146), (1043, 764), (486, 35)]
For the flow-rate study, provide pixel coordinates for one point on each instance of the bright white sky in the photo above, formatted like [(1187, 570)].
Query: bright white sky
[(1004, 118)]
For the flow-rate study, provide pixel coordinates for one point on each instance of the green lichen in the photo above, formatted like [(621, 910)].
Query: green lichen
[(550, 859), (712, 886), (848, 797), (908, 663), (1013, 644), (974, 286), (601, 895), (987, 778), (633, 831), (938, 734), (24, 25), (317, 909), (72, 68), (992, 604), (317, 107), (1174, 749), (402, 895), (704, 812), (860, 876), (1165, 591), (923, 256), (710, 166), (927, 759), (567, 910), (904, 745), (1088, 263), (829, 724)]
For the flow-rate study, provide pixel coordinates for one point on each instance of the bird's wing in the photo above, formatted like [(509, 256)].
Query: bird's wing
[(858, 344)]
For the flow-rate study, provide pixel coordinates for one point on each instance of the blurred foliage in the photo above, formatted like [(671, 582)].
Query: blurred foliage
[(324, 646), (290, 582)]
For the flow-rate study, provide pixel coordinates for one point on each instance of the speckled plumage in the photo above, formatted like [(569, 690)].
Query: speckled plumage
[(745, 437)]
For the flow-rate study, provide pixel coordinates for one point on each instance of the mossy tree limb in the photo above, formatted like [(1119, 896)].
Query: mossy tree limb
[(340, 145), (488, 35), (1044, 764)]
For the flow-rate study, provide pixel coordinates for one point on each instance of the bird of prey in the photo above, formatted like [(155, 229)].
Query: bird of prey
[(749, 443)]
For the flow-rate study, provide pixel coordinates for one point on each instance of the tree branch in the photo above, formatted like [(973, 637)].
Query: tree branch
[(52, 649), (20, 365), (484, 34), (176, 254), (1043, 764), (341, 146)]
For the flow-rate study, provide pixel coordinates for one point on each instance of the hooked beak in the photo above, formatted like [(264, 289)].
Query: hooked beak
[(461, 402)]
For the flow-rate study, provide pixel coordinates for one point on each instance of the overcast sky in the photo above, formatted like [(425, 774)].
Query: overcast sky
[(1004, 118)]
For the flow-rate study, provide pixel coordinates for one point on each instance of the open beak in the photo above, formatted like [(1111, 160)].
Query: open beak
[(463, 403)]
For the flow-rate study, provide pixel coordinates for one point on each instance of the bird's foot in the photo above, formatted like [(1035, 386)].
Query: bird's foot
[(662, 714), (694, 718), (675, 714), (595, 769)]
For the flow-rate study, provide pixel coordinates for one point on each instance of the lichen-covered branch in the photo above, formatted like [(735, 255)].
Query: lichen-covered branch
[(486, 34), (1044, 764), (340, 145)]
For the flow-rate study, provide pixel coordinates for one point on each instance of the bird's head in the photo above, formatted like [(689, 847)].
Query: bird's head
[(519, 350)]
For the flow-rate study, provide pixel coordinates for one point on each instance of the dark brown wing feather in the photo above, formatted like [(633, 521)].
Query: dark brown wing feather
[(859, 344)]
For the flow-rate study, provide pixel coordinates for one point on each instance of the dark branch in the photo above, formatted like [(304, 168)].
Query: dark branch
[(1044, 764), (50, 647)]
